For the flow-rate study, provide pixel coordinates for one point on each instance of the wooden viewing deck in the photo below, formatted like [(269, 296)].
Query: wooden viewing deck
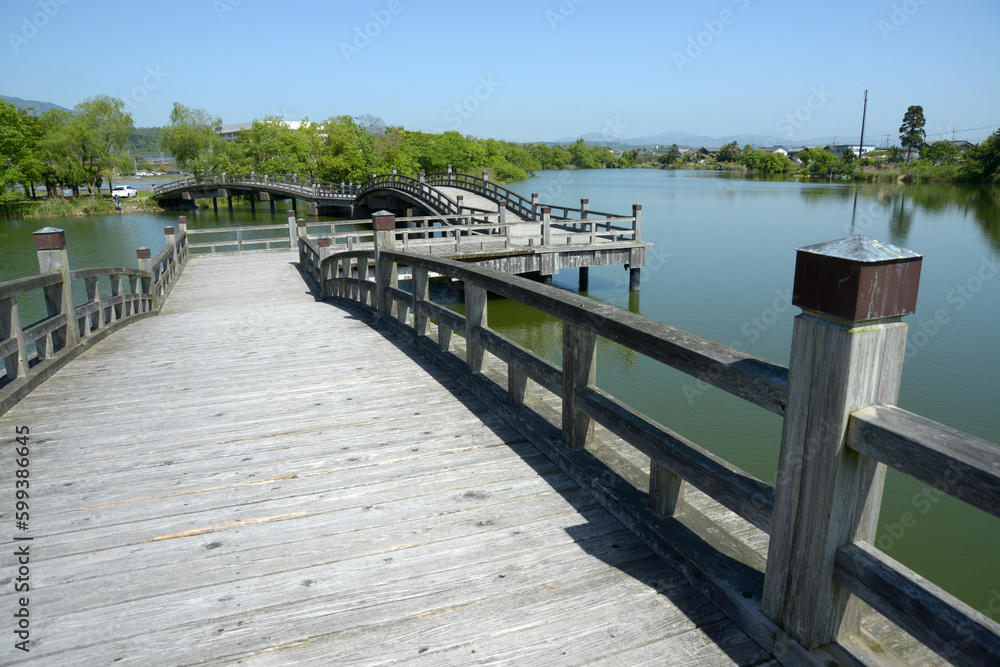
[(300, 461), (220, 484)]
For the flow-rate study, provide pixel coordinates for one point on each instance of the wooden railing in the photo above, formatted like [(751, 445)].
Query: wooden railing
[(115, 297), (822, 514), (285, 183)]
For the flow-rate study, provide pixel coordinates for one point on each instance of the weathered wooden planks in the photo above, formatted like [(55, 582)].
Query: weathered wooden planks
[(258, 476)]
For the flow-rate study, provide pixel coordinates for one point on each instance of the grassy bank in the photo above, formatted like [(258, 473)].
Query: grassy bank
[(65, 207)]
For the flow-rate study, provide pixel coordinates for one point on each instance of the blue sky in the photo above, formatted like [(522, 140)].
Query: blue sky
[(524, 71)]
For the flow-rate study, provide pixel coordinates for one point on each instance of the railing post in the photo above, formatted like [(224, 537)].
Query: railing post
[(292, 227), (323, 242), (420, 283), (579, 367), (300, 229), (10, 327), (637, 222), (423, 176), (182, 228), (475, 316), (486, 179), (169, 241), (449, 174), (502, 219), (847, 354), (51, 246), (144, 259), (546, 222), (534, 206), (384, 224)]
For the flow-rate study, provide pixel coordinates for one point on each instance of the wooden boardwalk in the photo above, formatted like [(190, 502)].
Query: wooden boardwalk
[(255, 477)]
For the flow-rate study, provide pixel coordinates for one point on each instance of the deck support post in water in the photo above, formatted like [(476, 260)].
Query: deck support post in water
[(253, 204), (272, 205), (847, 354), (634, 279), (215, 204), (51, 246), (229, 200), (584, 278)]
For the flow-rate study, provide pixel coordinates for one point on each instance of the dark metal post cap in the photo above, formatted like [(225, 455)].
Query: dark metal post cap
[(857, 279), (50, 238)]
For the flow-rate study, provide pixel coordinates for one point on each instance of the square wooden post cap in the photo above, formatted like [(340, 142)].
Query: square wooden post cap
[(50, 238), (856, 279), (384, 220)]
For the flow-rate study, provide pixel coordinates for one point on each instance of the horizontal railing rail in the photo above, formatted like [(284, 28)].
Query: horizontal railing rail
[(281, 183), (966, 467)]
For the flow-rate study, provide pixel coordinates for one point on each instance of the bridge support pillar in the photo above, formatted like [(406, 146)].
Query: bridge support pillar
[(847, 354), (215, 204), (229, 200), (272, 205), (253, 204), (51, 246)]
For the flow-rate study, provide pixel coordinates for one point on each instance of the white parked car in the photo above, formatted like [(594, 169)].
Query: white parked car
[(124, 191)]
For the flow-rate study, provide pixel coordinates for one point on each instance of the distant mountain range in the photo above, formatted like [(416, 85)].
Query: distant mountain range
[(683, 139), (39, 107)]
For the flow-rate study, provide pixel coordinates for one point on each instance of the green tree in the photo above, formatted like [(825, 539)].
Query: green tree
[(984, 160), (729, 153), (941, 152), (582, 157), (671, 156), (193, 139), (911, 132), (101, 128), (818, 160), (17, 149)]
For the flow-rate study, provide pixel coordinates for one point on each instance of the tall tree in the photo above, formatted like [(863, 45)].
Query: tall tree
[(193, 139), (98, 133), (911, 132)]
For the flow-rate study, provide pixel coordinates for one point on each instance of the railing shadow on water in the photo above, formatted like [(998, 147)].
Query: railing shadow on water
[(840, 389), (115, 297)]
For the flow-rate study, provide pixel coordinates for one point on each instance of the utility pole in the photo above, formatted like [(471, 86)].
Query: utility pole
[(863, 114)]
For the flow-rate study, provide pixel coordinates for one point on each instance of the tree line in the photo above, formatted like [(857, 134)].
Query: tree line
[(88, 147)]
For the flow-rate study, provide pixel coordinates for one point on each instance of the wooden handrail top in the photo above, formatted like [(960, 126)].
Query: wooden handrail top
[(222, 230), (754, 379), (11, 288), (83, 274), (951, 461)]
